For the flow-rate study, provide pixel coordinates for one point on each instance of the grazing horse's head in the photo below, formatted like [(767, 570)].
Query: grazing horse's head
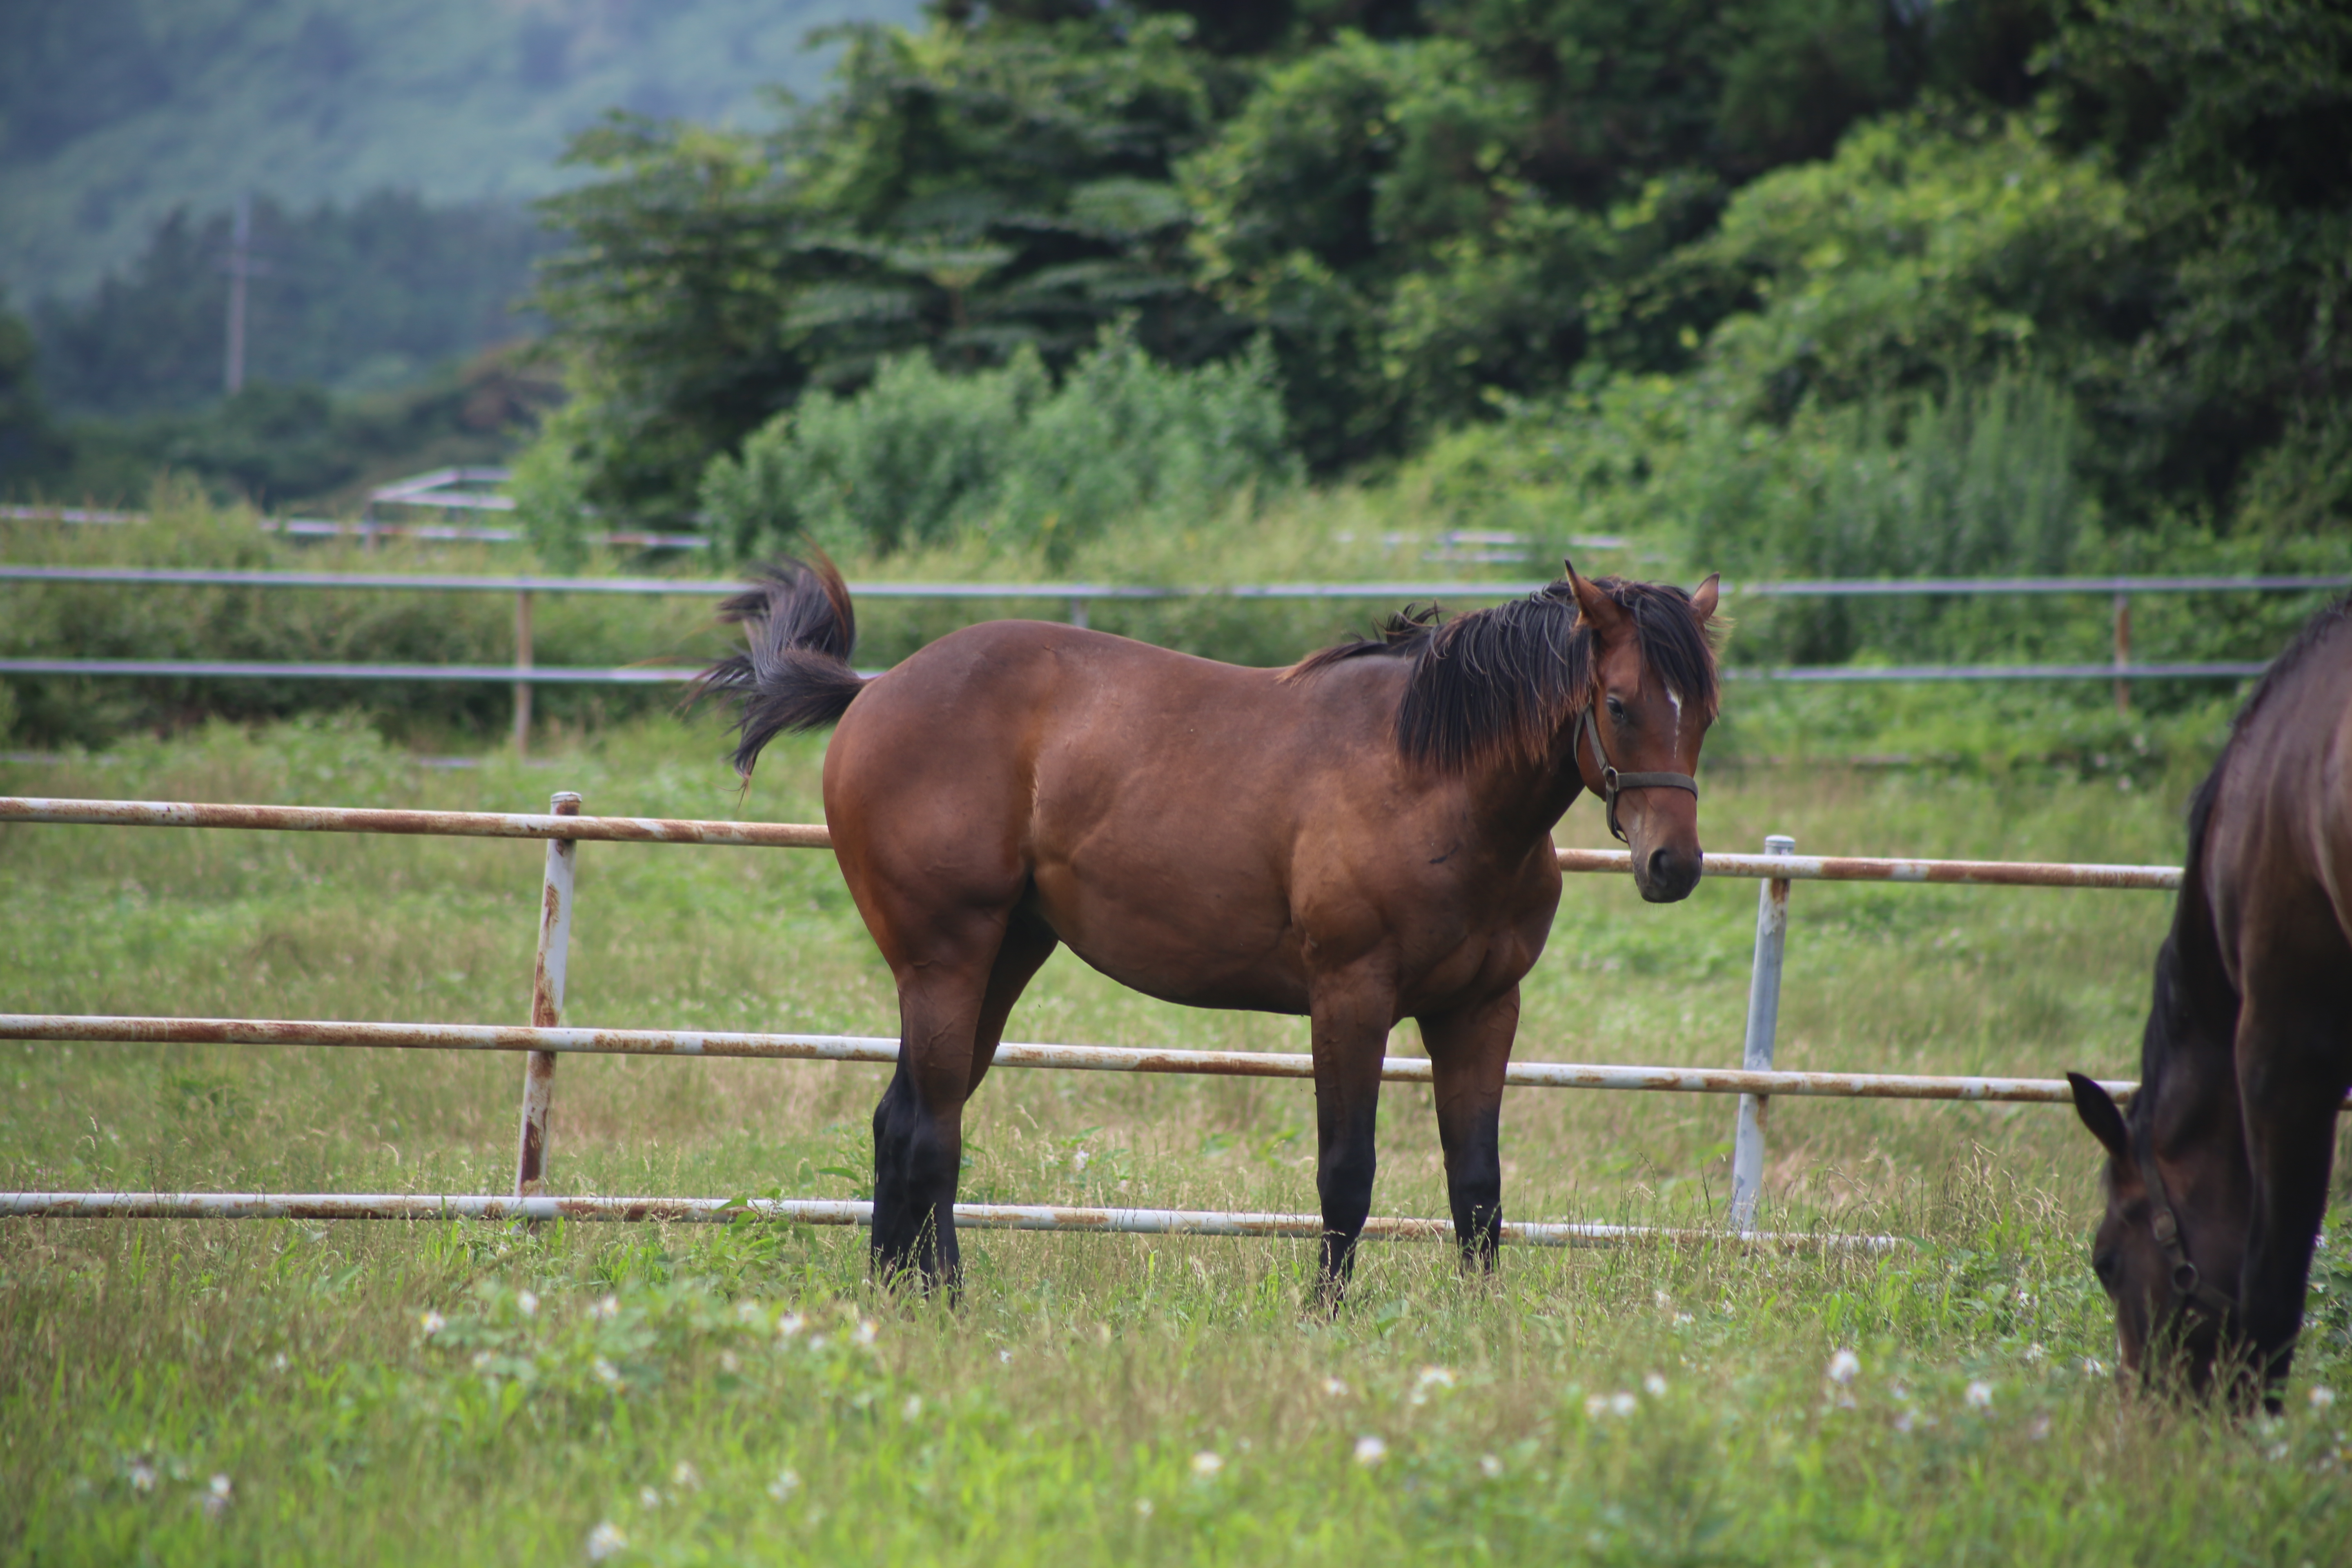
[(1646, 714), (2170, 1246)]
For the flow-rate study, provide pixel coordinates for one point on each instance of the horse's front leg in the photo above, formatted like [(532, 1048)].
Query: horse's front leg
[(1351, 1014), (1468, 1050), (2290, 1086)]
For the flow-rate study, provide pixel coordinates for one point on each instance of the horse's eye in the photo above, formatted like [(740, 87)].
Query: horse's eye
[(1616, 708)]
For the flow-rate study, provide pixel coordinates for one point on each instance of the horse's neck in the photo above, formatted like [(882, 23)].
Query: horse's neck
[(2191, 1053), (1517, 800)]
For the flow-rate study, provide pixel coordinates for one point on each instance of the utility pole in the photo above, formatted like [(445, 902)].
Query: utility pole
[(240, 266)]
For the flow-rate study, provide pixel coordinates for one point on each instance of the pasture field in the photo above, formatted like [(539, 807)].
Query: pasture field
[(442, 1392)]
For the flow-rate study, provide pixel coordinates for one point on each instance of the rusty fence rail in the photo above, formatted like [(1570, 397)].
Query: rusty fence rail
[(546, 1039)]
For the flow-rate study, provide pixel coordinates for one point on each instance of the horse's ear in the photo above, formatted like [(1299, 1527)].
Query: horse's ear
[(2097, 1109), (1601, 611), (1703, 598)]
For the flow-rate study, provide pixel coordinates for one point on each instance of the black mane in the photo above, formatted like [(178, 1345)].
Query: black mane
[(1503, 680)]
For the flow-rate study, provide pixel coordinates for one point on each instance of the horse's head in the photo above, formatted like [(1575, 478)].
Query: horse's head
[(1637, 743), (2168, 1248)]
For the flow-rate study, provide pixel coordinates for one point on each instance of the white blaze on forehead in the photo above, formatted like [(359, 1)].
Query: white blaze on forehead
[(1676, 699)]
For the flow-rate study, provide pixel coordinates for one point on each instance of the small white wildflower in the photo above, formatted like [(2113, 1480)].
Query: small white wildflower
[(1428, 1378), (1843, 1366), (1490, 1467), (1596, 1405), (1683, 1320), (606, 1541), (431, 1323), (481, 1361), (1207, 1463), (278, 1362), (2035, 1354), (864, 1333), (527, 1303), (1654, 1386), (1143, 1507), (1080, 1161), (728, 1362), (142, 1476), (1622, 1404), (1337, 1388), (218, 1496), (818, 1342), (2321, 1397), (648, 1498), (1664, 1301), (2040, 1428), (606, 1309), (2094, 1367), (606, 1372), (750, 1313), (1005, 1358), (1979, 1395), (913, 1408), (786, 1483), (686, 1478), (788, 1325), (1903, 1423), (1371, 1450)]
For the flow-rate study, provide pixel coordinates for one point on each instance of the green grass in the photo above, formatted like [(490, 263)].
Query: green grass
[(1056, 1414)]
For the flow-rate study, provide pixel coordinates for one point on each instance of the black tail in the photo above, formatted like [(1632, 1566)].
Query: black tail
[(794, 671)]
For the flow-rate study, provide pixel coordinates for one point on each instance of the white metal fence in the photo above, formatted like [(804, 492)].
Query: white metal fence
[(547, 1039)]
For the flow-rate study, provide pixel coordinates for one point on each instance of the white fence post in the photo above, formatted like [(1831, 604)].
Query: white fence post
[(547, 996), (1763, 1022)]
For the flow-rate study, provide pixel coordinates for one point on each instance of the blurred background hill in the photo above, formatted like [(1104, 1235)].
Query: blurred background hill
[(115, 114)]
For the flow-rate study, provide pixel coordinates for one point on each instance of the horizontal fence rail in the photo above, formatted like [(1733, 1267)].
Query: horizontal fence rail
[(881, 1051), (1826, 588), (856, 1212), (816, 835), (525, 673)]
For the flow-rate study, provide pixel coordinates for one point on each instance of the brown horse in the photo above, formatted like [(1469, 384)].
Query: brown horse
[(2217, 1179), (1362, 838)]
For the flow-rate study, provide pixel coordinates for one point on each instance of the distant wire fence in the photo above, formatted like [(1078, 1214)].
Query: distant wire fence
[(1075, 598), (547, 1039)]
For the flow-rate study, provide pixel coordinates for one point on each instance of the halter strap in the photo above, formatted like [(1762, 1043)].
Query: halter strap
[(1612, 781), (2192, 1286)]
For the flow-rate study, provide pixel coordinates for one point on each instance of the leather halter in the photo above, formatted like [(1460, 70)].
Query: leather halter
[(2192, 1287), (1611, 781)]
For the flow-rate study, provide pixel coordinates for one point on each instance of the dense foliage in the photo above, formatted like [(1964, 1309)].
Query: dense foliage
[(1446, 216), (920, 453)]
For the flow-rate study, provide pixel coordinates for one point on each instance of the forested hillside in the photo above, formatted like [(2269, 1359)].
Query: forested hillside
[(116, 113), (1841, 285)]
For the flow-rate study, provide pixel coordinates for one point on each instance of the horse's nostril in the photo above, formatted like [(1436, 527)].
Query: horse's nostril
[(1662, 866)]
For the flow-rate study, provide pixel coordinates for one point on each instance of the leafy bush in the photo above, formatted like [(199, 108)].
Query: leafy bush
[(920, 454)]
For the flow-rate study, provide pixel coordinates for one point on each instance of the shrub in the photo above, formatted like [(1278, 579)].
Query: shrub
[(921, 453)]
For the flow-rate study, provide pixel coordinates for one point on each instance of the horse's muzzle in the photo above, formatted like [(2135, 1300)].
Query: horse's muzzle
[(1668, 875)]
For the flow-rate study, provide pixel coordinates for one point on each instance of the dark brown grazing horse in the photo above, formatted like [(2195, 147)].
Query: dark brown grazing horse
[(1363, 838), (2217, 1179)]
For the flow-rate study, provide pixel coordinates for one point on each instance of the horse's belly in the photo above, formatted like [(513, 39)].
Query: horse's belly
[(1186, 950)]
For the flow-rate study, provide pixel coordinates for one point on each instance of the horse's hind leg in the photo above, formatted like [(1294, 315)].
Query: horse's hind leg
[(952, 1013), (1469, 1051)]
